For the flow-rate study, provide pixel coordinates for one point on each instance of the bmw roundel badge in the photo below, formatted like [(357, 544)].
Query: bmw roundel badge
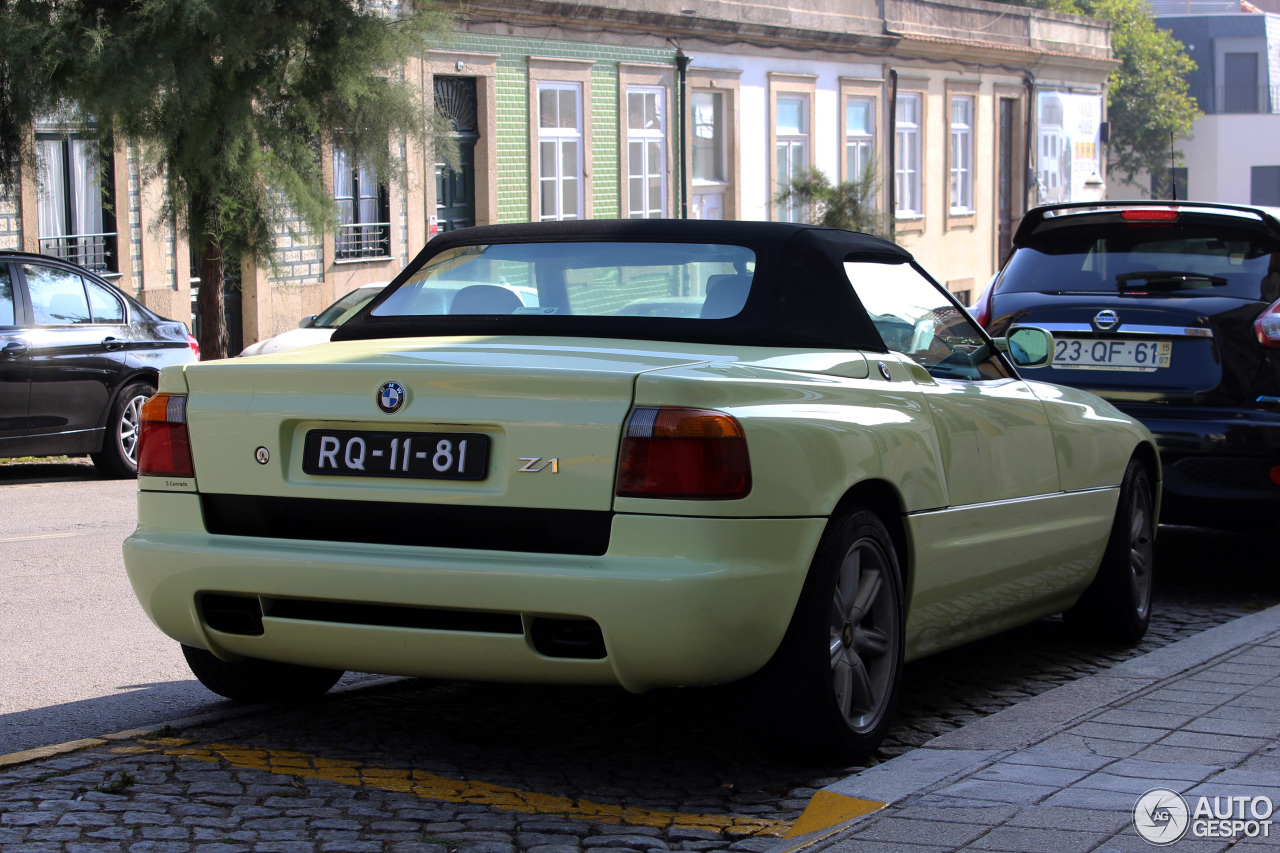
[(391, 397)]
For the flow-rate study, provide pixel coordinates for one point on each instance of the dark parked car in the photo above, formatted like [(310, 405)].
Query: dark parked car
[(1170, 310), (77, 360)]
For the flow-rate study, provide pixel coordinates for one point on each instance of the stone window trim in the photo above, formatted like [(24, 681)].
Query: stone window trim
[(555, 70), (784, 84), (633, 75), (852, 88), (961, 289), (914, 222), (483, 67), (372, 269), (725, 82), (972, 90), (28, 212)]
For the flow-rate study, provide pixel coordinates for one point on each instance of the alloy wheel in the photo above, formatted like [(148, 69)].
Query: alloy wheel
[(864, 635), (130, 422), (1140, 549)]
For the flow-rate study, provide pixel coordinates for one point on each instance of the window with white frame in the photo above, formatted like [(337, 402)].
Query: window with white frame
[(646, 153), (906, 166), (559, 151), (859, 136), (364, 210), (961, 154), (71, 189), (791, 134), (708, 137)]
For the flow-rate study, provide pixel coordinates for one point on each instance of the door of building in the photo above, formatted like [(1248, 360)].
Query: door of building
[(456, 189), (1005, 181)]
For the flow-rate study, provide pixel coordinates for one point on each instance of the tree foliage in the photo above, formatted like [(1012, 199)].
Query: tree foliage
[(228, 102), (1148, 102), (849, 205)]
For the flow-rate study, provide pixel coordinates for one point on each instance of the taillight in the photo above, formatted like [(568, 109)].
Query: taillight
[(1267, 326), (683, 453), (164, 449), (195, 346), (1150, 214), (982, 307)]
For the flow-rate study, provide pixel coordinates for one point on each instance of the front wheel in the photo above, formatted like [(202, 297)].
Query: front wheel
[(830, 691), (1117, 605), (118, 458), (254, 680)]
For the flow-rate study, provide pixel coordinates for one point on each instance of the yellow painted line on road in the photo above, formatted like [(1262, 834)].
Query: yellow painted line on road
[(15, 758), (42, 536), (433, 787), (828, 812)]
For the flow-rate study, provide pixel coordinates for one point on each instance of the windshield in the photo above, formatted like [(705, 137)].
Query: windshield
[(680, 280), (345, 308), (1192, 260)]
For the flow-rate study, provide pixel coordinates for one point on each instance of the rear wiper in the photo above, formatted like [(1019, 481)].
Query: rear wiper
[(1172, 279)]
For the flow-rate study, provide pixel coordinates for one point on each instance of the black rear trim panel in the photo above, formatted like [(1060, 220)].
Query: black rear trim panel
[(538, 531)]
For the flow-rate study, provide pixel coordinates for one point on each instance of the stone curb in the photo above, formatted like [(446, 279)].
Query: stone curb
[(962, 752)]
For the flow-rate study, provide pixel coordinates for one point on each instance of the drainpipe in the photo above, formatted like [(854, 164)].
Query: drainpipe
[(682, 69), (1030, 180), (892, 145)]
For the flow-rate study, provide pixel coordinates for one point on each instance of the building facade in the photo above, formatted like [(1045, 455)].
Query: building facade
[(967, 113), (1231, 156)]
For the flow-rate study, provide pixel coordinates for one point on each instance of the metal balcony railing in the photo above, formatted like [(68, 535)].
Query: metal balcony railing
[(92, 251), (363, 240), (1218, 100)]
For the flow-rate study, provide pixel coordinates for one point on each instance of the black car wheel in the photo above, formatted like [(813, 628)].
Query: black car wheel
[(254, 680), (118, 458), (1117, 605), (830, 691)]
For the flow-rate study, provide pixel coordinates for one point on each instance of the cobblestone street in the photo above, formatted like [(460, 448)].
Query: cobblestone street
[(451, 766)]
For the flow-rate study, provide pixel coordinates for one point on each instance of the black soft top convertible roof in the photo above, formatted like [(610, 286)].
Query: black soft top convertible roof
[(800, 296)]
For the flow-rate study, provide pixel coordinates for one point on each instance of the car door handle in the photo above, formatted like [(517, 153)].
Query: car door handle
[(14, 350), (112, 343)]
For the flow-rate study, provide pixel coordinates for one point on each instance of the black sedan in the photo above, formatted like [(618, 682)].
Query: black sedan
[(1170, 310), (77, 360)]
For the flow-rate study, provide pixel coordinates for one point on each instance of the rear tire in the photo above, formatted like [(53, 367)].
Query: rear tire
[(118, 459), (829, 693), (254, 680), (1117, 605)]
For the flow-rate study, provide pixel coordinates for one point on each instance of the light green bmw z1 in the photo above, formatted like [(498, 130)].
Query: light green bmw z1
[(642, 453)]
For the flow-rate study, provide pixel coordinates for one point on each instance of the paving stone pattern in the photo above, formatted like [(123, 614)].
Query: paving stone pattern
[(1209, 731), (669, 751)]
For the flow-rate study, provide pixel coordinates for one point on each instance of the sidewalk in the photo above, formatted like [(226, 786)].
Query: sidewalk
[(1063, 772)]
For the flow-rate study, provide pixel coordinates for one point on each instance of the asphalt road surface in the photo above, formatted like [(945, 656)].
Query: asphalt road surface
[(78, 658)]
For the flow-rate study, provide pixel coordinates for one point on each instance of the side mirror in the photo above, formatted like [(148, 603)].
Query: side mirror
[(1027, 346), (305, 322)]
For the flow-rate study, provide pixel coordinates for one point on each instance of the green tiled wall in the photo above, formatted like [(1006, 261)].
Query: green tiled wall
[(512, 85)]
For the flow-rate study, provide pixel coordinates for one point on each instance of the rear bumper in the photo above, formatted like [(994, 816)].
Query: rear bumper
[(1217, 463), (679, 601)]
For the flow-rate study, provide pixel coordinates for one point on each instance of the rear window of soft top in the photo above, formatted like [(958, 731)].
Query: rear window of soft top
[(1216, 261)]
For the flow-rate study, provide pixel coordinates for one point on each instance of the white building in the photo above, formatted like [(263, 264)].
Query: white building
[(1233, 155)]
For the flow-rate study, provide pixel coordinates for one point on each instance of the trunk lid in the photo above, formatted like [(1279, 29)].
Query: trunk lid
[(532, 402), (1211, 356)]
